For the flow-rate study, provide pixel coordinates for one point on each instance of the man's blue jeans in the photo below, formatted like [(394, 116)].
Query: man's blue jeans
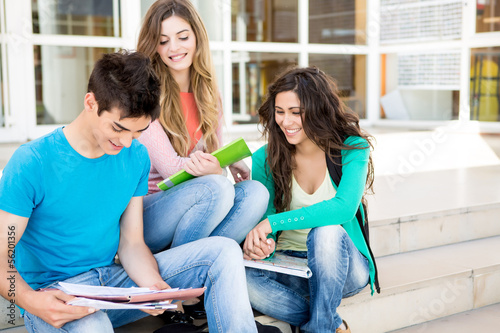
[(201, 207), (215, 263), (338, 270)]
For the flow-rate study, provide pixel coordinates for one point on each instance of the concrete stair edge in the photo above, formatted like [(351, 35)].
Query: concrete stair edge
[(456, 286), (484, 320), (427, 230)]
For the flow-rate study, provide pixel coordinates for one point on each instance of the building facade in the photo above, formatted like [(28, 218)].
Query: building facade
[(403, 63)]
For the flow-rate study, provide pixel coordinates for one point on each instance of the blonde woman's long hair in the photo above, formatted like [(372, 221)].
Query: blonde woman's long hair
[(203, 82)]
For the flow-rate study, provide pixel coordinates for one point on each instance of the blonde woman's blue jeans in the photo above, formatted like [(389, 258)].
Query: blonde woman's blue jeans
[(202, 207)]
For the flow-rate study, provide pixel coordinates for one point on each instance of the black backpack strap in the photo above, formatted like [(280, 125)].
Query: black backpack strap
[(335, 171)]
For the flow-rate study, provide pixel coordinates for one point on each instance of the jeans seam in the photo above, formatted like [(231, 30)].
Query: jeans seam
[(207, 209), (273, 282), (185, 268), (214, 303), (100, 277), (186, 187), (30, 322), (238, 209), (33, 327)]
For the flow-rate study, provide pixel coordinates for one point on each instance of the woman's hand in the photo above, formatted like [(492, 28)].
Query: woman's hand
[(257, 245), (202, 164), (240, 171), (263, 251)]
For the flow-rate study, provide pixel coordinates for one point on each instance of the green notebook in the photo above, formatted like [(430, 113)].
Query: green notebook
[(227, 155)]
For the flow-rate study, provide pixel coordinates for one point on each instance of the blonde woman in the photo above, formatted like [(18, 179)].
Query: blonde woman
[(188, 130)]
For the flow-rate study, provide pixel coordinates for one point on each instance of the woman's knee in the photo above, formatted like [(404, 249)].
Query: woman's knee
[(223, 249), (326, 234), (326, 241), (217, 187), (256, 189), (253, 194)]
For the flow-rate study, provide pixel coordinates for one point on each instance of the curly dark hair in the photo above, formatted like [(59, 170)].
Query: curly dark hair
[(325, 119)]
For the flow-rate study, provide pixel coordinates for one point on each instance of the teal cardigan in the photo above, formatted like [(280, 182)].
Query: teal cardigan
[(340, 210)]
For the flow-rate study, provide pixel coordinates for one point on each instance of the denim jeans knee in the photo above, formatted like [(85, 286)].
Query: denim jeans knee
[(97, 322)]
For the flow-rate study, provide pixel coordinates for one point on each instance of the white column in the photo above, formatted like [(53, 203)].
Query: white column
[(373, 61), (468, 31), (20, 69), (131, 22), (303, 33)]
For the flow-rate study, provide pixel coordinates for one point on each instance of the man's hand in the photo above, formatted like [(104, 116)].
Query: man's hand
[(157, 286), (257, 245), (240, 171), (51, 306), (202, 164)]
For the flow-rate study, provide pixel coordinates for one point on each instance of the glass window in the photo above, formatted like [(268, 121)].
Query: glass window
[(487, 15), (349, 73), (211, 13), (61, 78), (252, 72), (485, 84), (337, 21), (145, 4), (420, 86), (218, 60), (76, 17), (420, 21), (264, 21)]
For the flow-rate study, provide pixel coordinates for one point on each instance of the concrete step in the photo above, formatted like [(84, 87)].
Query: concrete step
[(428, 284), (435, 208), (427, 230), (417, 287), (484, 320)]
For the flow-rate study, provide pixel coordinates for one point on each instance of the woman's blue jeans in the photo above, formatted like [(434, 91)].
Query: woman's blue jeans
[(338, 270), (202, 207), (215, 263)]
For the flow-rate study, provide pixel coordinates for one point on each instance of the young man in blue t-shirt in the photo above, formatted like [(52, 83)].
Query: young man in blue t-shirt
[(71, 200)]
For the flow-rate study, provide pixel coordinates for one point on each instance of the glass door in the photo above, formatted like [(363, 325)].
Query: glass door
[(62, 65)]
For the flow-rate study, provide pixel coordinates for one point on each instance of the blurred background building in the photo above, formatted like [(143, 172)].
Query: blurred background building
[(401, 63), (422, 74)]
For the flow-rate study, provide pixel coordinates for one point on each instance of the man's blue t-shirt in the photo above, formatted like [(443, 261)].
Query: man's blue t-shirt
[(73, 203)]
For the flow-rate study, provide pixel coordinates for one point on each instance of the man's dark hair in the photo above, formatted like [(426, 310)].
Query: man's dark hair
[(126, 80)]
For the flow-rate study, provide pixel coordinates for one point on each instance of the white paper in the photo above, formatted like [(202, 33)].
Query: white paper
[(78, 301), (80, 289), (282, 263)]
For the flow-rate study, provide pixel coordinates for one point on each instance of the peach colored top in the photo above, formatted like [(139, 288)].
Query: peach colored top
[(190, 111), (164, 159)]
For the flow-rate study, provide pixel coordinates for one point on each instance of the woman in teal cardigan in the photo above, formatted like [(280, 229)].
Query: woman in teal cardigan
[(308, 215)]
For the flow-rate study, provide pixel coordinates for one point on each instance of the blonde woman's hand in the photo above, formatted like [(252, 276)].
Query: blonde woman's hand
[(264, 250), (256, 243), (240, 171), (201, 164)]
